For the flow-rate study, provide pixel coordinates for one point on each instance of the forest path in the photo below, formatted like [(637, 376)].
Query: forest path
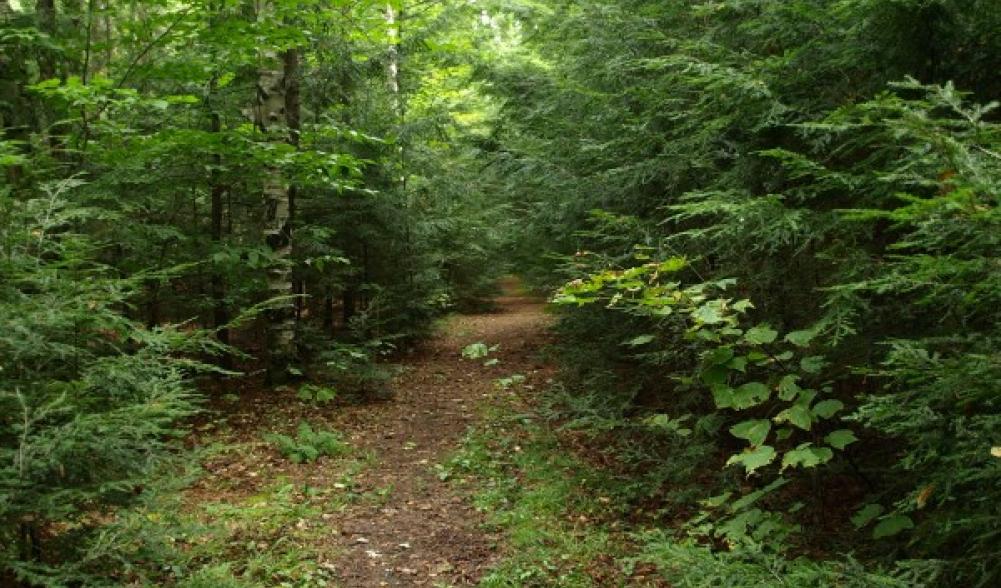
[(378, 515), (424, 532)]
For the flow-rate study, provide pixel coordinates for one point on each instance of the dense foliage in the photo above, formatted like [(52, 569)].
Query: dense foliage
[(276, 185), (788, 212), (771, 229)]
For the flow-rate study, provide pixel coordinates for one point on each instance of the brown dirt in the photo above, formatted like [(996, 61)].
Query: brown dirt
[(418, 530), (426, 533)]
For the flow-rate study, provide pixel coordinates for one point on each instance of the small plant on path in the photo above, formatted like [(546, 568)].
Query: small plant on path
[(308, 444)]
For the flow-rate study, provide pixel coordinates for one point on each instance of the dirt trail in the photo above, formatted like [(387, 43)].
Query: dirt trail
[(423, 533), (386, 520)]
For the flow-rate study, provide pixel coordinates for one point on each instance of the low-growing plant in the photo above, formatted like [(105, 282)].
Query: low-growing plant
[(358, 368), (480, 350), (316, 394), (309, 444)]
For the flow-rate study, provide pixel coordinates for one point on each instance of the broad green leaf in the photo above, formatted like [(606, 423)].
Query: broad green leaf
[(825, 409), (800, 338), (754, 431), (807, 456), (742, 305), (788, 388), (892, 525), (797, 415), (709, 313), (755, 458), (738, 363), (720, 355), (750, 394), (324, 394), (722, 396), (866, 514), (760, 335), (840, 439), (812, 364)]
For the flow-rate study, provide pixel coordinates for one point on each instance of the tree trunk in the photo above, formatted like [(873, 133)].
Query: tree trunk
[(220, 314), (271, 117), (292, 119), (46, 10)]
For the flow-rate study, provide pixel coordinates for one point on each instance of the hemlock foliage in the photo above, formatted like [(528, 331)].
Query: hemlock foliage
[(769, 228)]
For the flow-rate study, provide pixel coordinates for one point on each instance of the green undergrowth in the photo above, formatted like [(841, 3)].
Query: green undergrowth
[(551, 508), (567, 521), (275, 537), (222, 536)]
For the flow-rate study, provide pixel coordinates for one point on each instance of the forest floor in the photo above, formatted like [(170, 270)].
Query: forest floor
[(389, 511)]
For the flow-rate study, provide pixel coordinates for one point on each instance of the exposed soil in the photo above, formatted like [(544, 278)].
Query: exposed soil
[(419, 530), (425, 533)]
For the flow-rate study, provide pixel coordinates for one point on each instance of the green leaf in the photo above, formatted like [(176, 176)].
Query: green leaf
[(672, 264), (760, 335), (722, 396), (709, 313), (797, 415), (716, 501), (788, 388), (641, 340), (812, 364), (750, 394), (892, 525), (475, 351), (742, 305), (754, 431), (866, 514), (825, 409), (753, 459), (325, 394), (714, 376), (800, 338), (840, 439), (807, 456), (720, 355), (738, 363), (752, 498)]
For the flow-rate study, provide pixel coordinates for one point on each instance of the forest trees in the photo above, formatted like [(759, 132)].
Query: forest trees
[(779, 233), (229, 166), (772, 228)]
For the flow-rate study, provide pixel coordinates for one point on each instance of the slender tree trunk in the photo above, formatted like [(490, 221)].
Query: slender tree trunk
[(394, 20), (292, 120), (271, 117), (220, 314), (46, 10)]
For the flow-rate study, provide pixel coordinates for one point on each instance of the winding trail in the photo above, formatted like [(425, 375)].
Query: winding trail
[(424, 533), (380, 515)]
